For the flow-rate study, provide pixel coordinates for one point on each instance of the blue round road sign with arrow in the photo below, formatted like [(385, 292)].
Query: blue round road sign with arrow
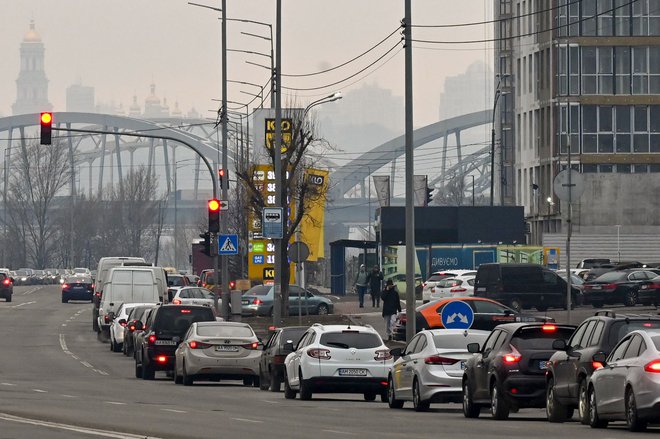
[(457, 315)]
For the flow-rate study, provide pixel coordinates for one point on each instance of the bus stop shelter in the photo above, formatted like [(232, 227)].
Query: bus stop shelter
[(338, 262)]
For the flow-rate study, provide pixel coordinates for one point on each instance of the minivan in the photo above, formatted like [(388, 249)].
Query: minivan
[(104, 266), (126, 285), (522, 286)]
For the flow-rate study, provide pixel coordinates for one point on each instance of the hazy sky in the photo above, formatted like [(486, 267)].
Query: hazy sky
[(120, 46)]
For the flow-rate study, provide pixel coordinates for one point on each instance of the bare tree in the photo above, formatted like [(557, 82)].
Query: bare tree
[(452, 193)]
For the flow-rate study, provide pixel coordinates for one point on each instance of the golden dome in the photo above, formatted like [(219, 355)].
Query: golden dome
[(32, 36)]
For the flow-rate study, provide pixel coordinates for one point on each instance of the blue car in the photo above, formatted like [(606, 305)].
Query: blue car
[(258, 301), (77, 288)]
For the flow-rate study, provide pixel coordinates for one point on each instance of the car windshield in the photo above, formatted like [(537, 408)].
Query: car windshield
[(622, 328), (535, 338), (176, 320), (351, 339), (457, 341), (78, 280), (612, 276), (437, 277), (224, 331), (80, 270), (175, 281), (259, 290)]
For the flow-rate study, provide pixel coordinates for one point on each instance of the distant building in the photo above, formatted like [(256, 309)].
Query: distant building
[(152, 106), (468, 92), (32, 84), (80, 98)]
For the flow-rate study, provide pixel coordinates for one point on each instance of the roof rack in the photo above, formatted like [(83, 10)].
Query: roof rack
[(606, 313)]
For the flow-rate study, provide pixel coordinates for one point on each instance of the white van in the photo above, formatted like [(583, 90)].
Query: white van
[(160, 275), (126, 285), (102, 270)]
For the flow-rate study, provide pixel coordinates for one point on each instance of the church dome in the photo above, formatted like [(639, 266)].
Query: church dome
[(152, 98), (32, 36)]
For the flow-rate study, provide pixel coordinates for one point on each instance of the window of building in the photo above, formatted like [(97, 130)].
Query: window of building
[(623, 169), (605, 17), (640, 17), (589, 169), (589, 22), (654, 17), (605, 169), (589, 70), (640, 70), (641, 169), (622, 70), (622, 17)]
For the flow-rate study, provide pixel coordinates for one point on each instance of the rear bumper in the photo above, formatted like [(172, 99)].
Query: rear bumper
[(347, 385), (208, 365), (155, 364), (525, 391), (77, 295), (591, 296)]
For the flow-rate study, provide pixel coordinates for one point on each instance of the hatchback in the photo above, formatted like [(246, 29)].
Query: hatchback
[(459, 286), (279, 345)]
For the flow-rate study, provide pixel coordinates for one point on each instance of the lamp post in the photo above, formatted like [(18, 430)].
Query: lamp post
[(260, 87), (492, 143), (472, 176), (618, 243)]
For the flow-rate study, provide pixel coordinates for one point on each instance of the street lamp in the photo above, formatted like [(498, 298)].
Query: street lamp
[(498, 93)]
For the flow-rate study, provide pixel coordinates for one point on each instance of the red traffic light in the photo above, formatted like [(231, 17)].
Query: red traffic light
[(214, 205), (47, 118)]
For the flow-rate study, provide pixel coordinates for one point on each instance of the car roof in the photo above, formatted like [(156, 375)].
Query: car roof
[(517, 325), (458, 299), (244, 325), (611, 314), (331, 328), (443, 331)]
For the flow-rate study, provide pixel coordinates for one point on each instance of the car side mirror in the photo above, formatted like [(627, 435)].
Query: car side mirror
[(288, 346), (559, 345), (473, 348), (122, 321), (600, 357), (396, 352)]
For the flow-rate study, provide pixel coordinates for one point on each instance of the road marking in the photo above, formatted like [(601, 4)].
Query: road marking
[(77, 429), (23, 304), (63, 324), (339, 432), (254, 421), (101, 372), (30, 291), (7, 384), (114, 402), (270, 402), (86, 364), (39, 391), (66, 350), (68, 396), (174, 411)]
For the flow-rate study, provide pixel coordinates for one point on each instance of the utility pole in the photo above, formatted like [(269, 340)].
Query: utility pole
[(410, 207), (279, 183), (569, 230), (222, 277)]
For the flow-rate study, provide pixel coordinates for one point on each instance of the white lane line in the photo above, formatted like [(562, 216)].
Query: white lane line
[(114, 402), (253, 421), (30, 291), (86, 364), (66, 350), (270, 402), (67, 396), (63, 345), (7, 384), (101, 372), (339, 432), (63, 324), (39, 391), (23, 304), (77, 429), (174, 411)]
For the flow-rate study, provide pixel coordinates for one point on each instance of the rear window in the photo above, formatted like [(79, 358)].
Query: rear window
[(293, 335), (78, 280), (351, 339), (260, 290), (176, 320), (224, 331), (437, 277), (536, 338), (620, 329), (458, 341), (610, 277), (175, 281), (656, 341)]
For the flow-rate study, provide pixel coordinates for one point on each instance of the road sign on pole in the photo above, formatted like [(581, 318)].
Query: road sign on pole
[(273, 223), (457, 315), (227, 244)]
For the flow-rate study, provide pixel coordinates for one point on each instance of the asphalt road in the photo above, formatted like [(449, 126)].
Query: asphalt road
[(58, 381)]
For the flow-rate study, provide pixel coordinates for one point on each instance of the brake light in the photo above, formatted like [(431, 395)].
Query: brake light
[(176, 302), (131, 328), (92, 286), (257, 302), (161, 359), (232, 284), (198, 345), (152, 339), (123, 324), (458, 290), (106, 318), (253, 345), (649, 325), (321, 354), (548, 328), (185, 311), (65, 286), (383, 355), (653, 366), (6, 282), (437, 359), (512, 357), (596, 364)]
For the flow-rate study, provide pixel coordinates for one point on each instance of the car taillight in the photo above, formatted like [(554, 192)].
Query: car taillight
[(131, 328), (198, 345), (458, 290), (548, 328), (382, 355), (253, 345), (6, 282), (609, 286), (424, 285), (92, 286), (176, 302), (257, 302), (123, 323), (321, 354), (161, 359), (437, 359), (512, 357), (653, 366), (596, 364), (65, 286), (106, 318), (152, 339)]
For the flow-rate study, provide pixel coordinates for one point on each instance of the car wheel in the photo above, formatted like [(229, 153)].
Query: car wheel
[(419, 404), (178, 379), (263, 384), (391, 396), (470, 409), (289, 393), (383, 396), (499, 408), (322, 309), (583, 402), (116, 347), (187, 380), (631, 298), (275, 382), (148, 372), (634, 423), (370, 396), (305, 390), (138, 370), (8, 299), (554, 410), (247, 381), (594, 420), (516, 304), (123, 348), (256, 381)]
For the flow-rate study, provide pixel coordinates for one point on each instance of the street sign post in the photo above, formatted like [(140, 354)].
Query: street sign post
[(457, 315), (227, 244), (273, 223), (298, 252), (568, 188)]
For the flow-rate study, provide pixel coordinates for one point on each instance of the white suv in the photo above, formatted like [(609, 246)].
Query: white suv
[(438, 276), (338, 359)]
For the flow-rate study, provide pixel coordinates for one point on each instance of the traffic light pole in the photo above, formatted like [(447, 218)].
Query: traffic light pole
[(224, 275)]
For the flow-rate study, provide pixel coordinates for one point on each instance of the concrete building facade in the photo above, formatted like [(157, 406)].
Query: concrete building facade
[(585, 74)]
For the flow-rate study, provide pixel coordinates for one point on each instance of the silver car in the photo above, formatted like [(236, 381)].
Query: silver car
[(430, 368), (218, 350), (627, 386), (192, 296)]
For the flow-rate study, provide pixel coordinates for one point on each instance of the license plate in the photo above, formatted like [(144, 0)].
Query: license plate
[(226, 348), (165, 342), (596, 287), (353, 372), (462, 365), (245, 302), (543, 365)]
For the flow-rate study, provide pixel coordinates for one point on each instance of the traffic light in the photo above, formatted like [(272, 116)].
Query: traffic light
[(223, 175), (46, 128), (207, 243), (214, 216), (429, 195)]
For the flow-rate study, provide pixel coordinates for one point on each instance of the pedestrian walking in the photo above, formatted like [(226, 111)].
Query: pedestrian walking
[(375, 279), (391, 306), (361, 284)]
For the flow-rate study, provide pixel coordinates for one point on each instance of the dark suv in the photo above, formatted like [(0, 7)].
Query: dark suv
[(570, 368), (279, 345), (166, 326), (508, 373), (6, 286)]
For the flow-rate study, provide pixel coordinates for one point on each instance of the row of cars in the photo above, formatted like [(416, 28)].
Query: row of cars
[(49, 276)]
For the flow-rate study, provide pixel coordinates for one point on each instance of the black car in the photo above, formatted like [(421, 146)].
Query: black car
[(508, 372), (569, 369), (6, 286), (77, 288), (165, 327), (649, 292), (620, 286), (279, 345), (137, 314)]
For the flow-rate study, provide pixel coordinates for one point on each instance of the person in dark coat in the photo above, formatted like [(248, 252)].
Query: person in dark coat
[(391, 306), (375, 279)]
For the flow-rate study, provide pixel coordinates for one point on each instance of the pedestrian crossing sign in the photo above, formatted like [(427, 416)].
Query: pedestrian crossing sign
[(227, 244)]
